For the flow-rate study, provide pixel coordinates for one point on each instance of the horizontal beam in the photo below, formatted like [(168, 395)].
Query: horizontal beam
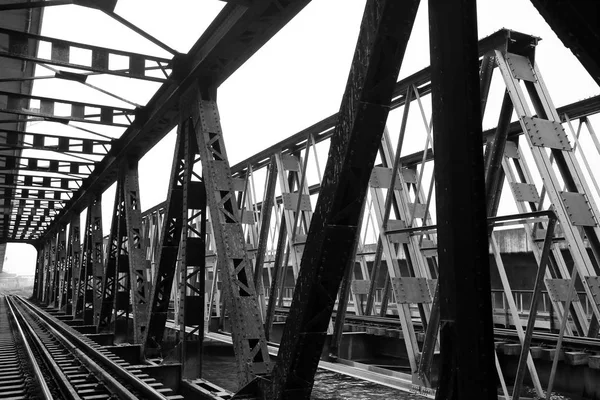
[(20, 45), (17, 103)]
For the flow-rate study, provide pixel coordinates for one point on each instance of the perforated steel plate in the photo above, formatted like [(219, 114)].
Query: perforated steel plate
[(546, 133), (558, 290), (411, 290), (578, 209), (360, 286), (525, 192), (520, 67)]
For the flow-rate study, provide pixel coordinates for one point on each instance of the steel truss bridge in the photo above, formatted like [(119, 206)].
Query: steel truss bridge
[(335, 228)]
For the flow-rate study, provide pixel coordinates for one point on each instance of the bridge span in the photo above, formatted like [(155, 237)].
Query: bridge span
[(396, 242)]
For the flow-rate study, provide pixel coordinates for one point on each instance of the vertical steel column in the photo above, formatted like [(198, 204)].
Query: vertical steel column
[(61, 265), (235, 267), (185, 157), (109, 285), (84, 290), (467, 339), (191, 270), (138, 266), (52, 278), (382, 41), (96, 275), (73, 259), (39, 269)]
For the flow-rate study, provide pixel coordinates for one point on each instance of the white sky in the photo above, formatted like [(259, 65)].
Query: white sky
[(295, 80)]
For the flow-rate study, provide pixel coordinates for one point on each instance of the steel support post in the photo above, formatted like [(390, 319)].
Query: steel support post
[(168, 253), (39, 269), (110, 302), (53, 272), (385, 30), (191, 269), (277, 278), (138, 266), (344, 294), (265, 218), (73, 259), (84, 292), (537, 294), (61, 259), (96, 275), (467, 337), (235, 267)]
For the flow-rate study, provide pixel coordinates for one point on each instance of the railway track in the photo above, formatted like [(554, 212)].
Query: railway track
[(21, 376), (78, 367)]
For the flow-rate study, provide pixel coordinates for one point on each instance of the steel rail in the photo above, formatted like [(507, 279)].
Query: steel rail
[(37, 372), (67, 389), (91, 356)]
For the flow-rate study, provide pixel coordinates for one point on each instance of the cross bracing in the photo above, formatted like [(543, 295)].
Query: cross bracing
[(369, 229)]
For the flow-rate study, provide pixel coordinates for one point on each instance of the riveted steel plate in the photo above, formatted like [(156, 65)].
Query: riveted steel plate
[(394, 224), (209, 117), (234, 241), (409, 175), (411, 290), (290, 163), (546, 133), (419, 209), (381, 177), (593, 283), (360, 286), (220, 174), (520, 67), (290, 202), (558, 290), (578, 209), (525, 192), (247, 217), (511, 150), (238, 184)]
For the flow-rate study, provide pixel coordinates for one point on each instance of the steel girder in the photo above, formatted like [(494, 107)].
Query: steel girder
[(385, 29), (19, 43), (126, 272), (233, 37)]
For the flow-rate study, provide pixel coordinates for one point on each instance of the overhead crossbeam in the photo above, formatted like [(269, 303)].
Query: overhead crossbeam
[(16, 140), (21, 45), (18, 104), (36, 164), (385, 29)]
